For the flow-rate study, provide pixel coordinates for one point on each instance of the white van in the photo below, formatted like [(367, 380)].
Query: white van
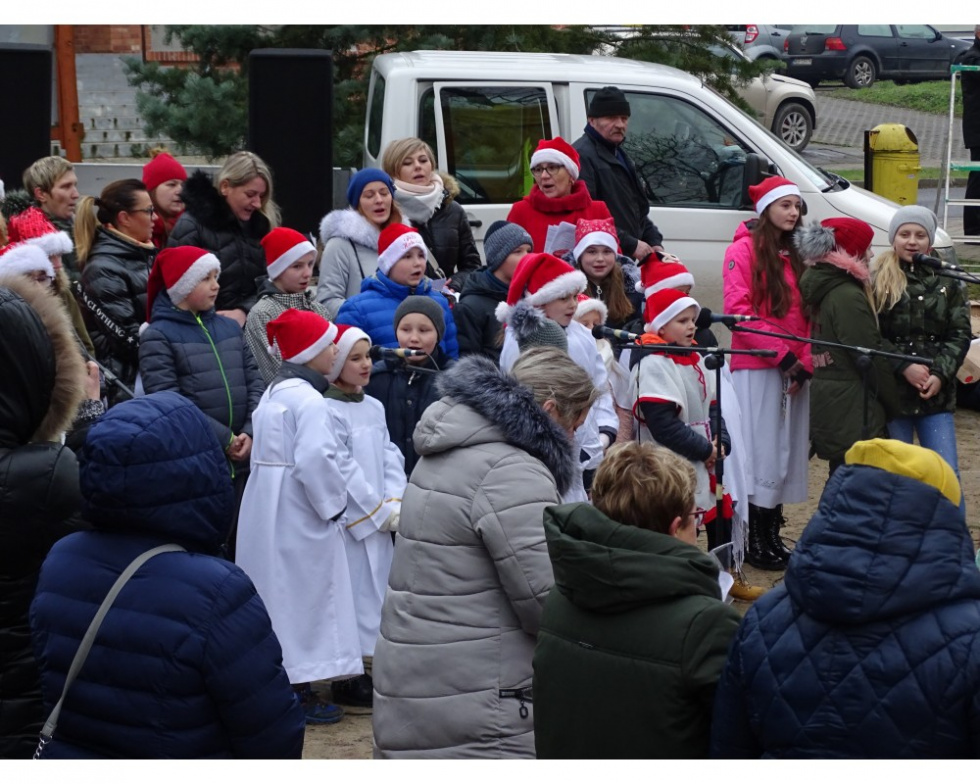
[(484, 113)]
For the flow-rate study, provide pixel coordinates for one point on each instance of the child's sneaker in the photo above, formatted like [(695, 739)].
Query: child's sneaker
[(356, 693), (318, 712)]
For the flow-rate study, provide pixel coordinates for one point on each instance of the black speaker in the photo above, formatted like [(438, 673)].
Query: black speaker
[(290, 113), (25, 132)]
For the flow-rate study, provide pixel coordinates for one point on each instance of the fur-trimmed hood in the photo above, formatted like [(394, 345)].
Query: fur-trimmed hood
[(817, 245), (207, 206), (506, 411), (43, 368), (350, 225)]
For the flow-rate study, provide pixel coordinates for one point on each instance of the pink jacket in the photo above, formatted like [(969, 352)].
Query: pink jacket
[(737, 280)]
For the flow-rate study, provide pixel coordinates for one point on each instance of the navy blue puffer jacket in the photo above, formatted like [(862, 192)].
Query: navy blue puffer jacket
[(871, 648), (373, 310), (205, 358), (186, 664)]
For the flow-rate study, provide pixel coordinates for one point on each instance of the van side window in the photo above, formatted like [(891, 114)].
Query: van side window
[(491, 132), (685, 157), (427, 119), (374, 118)]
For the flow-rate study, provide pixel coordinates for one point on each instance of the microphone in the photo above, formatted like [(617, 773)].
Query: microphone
[(932, 261), (706, 318), (599, 331), (380, 352)]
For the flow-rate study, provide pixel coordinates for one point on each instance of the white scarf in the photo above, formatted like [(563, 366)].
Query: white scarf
[(420, 202)]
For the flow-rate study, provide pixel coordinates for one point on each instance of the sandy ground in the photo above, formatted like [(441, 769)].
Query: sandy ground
[(351, 737)]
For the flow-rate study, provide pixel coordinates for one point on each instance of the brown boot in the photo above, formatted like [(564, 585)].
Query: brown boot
[(743, 590)]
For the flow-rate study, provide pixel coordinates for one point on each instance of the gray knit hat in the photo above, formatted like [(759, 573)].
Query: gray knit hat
[(532, 328), (502, 239), (913, 213), (427, 306)]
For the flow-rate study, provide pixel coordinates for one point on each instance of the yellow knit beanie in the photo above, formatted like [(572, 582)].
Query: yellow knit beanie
[(908, 460)]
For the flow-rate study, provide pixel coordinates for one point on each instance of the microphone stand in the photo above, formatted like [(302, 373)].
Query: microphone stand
[(957, 274), (864, 359), (714, 360)]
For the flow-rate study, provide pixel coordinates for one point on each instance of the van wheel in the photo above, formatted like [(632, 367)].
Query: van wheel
[(861, 73), (794, 125)]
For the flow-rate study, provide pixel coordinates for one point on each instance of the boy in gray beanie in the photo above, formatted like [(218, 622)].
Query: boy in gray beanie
[(478, 330), (913, 213)]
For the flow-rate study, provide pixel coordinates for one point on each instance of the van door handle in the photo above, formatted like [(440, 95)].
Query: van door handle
[(475, 224)]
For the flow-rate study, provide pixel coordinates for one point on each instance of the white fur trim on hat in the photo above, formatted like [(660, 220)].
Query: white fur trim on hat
[(25, 258), (674, 281), (673, 310), (551, 155), (344, 345), (311, 351), (283, 263), (570, 283), (591, 305), (775, 195), (54, 243), (603, 238), (195, 273), (398, 248)]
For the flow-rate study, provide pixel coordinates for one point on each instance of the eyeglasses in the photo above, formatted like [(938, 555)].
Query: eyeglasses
[(698, 515), (148, 210), (551, 168)]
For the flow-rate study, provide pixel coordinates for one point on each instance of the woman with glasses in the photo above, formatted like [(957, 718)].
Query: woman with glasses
[(112, 240), (557, 196), (229, 217)]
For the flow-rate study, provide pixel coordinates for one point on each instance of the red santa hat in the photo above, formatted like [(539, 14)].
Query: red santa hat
[(282, 247), (347, 336), (771, 189), (396, 241), (587, 304), (558, 151), (23, 258), (33, 226), (178, 270), (852, 236), (595, 232), (299, 335), (162, 168), (656, 275), (664, 306), (540, 278)]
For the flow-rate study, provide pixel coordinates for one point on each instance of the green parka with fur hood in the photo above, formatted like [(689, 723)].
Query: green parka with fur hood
[(636, 621), (835, 288)]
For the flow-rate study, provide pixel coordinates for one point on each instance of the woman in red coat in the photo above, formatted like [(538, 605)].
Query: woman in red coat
[(557, 196)]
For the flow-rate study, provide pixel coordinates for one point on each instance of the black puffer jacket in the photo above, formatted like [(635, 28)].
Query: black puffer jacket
[(449, 236), (38, 486), (209, 223), (405, 393), (205, 359), (113, 301), (477, 328)]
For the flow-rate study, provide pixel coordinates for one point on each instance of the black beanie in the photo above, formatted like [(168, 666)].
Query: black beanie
[(609, 102), (427, 306)]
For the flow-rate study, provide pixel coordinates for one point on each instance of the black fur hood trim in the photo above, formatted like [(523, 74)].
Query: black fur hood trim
[(205, 203), (478, 383)]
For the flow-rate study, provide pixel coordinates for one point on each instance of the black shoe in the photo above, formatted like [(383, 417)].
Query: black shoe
[(776, 543), (354, 692), (759, 553)]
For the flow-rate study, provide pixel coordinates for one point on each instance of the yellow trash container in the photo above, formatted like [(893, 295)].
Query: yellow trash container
[(895, 168)]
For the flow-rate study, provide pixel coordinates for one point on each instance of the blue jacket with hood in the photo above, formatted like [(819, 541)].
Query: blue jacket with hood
[(373, 310), (185, 664), (871, 647)]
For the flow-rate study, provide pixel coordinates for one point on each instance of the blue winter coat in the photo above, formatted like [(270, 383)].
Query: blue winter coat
[(186, 663), (205, 359), (373, 310), (871, 647)]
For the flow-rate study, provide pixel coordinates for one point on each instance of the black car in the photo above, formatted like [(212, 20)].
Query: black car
[(859, 54)]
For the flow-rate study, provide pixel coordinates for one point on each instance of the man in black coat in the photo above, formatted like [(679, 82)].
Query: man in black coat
[(971, 129), (610, 175)]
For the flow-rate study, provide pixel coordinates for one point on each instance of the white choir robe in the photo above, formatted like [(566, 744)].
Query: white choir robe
[(373, 473), (288, 542)]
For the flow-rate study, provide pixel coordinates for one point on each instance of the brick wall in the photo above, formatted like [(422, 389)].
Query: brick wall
[(108, 39)]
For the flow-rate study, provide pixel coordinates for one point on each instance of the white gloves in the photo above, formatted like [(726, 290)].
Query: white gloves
[(390, 524)]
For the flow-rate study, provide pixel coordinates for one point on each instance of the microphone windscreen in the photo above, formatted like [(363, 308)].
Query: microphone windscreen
[(704, 319)]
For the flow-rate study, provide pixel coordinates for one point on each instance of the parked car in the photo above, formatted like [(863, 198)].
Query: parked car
[(860, 54), (760, 42)]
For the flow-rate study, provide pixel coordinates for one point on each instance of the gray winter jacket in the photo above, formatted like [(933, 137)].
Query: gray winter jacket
[(470, 573), (350, 254)]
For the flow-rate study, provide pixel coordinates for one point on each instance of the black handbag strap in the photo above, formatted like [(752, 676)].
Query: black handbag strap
[(47, 732)]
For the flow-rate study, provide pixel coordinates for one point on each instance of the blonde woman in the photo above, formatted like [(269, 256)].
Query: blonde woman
[(426, 198), (115, 254), (924, 314), (229, 217)]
